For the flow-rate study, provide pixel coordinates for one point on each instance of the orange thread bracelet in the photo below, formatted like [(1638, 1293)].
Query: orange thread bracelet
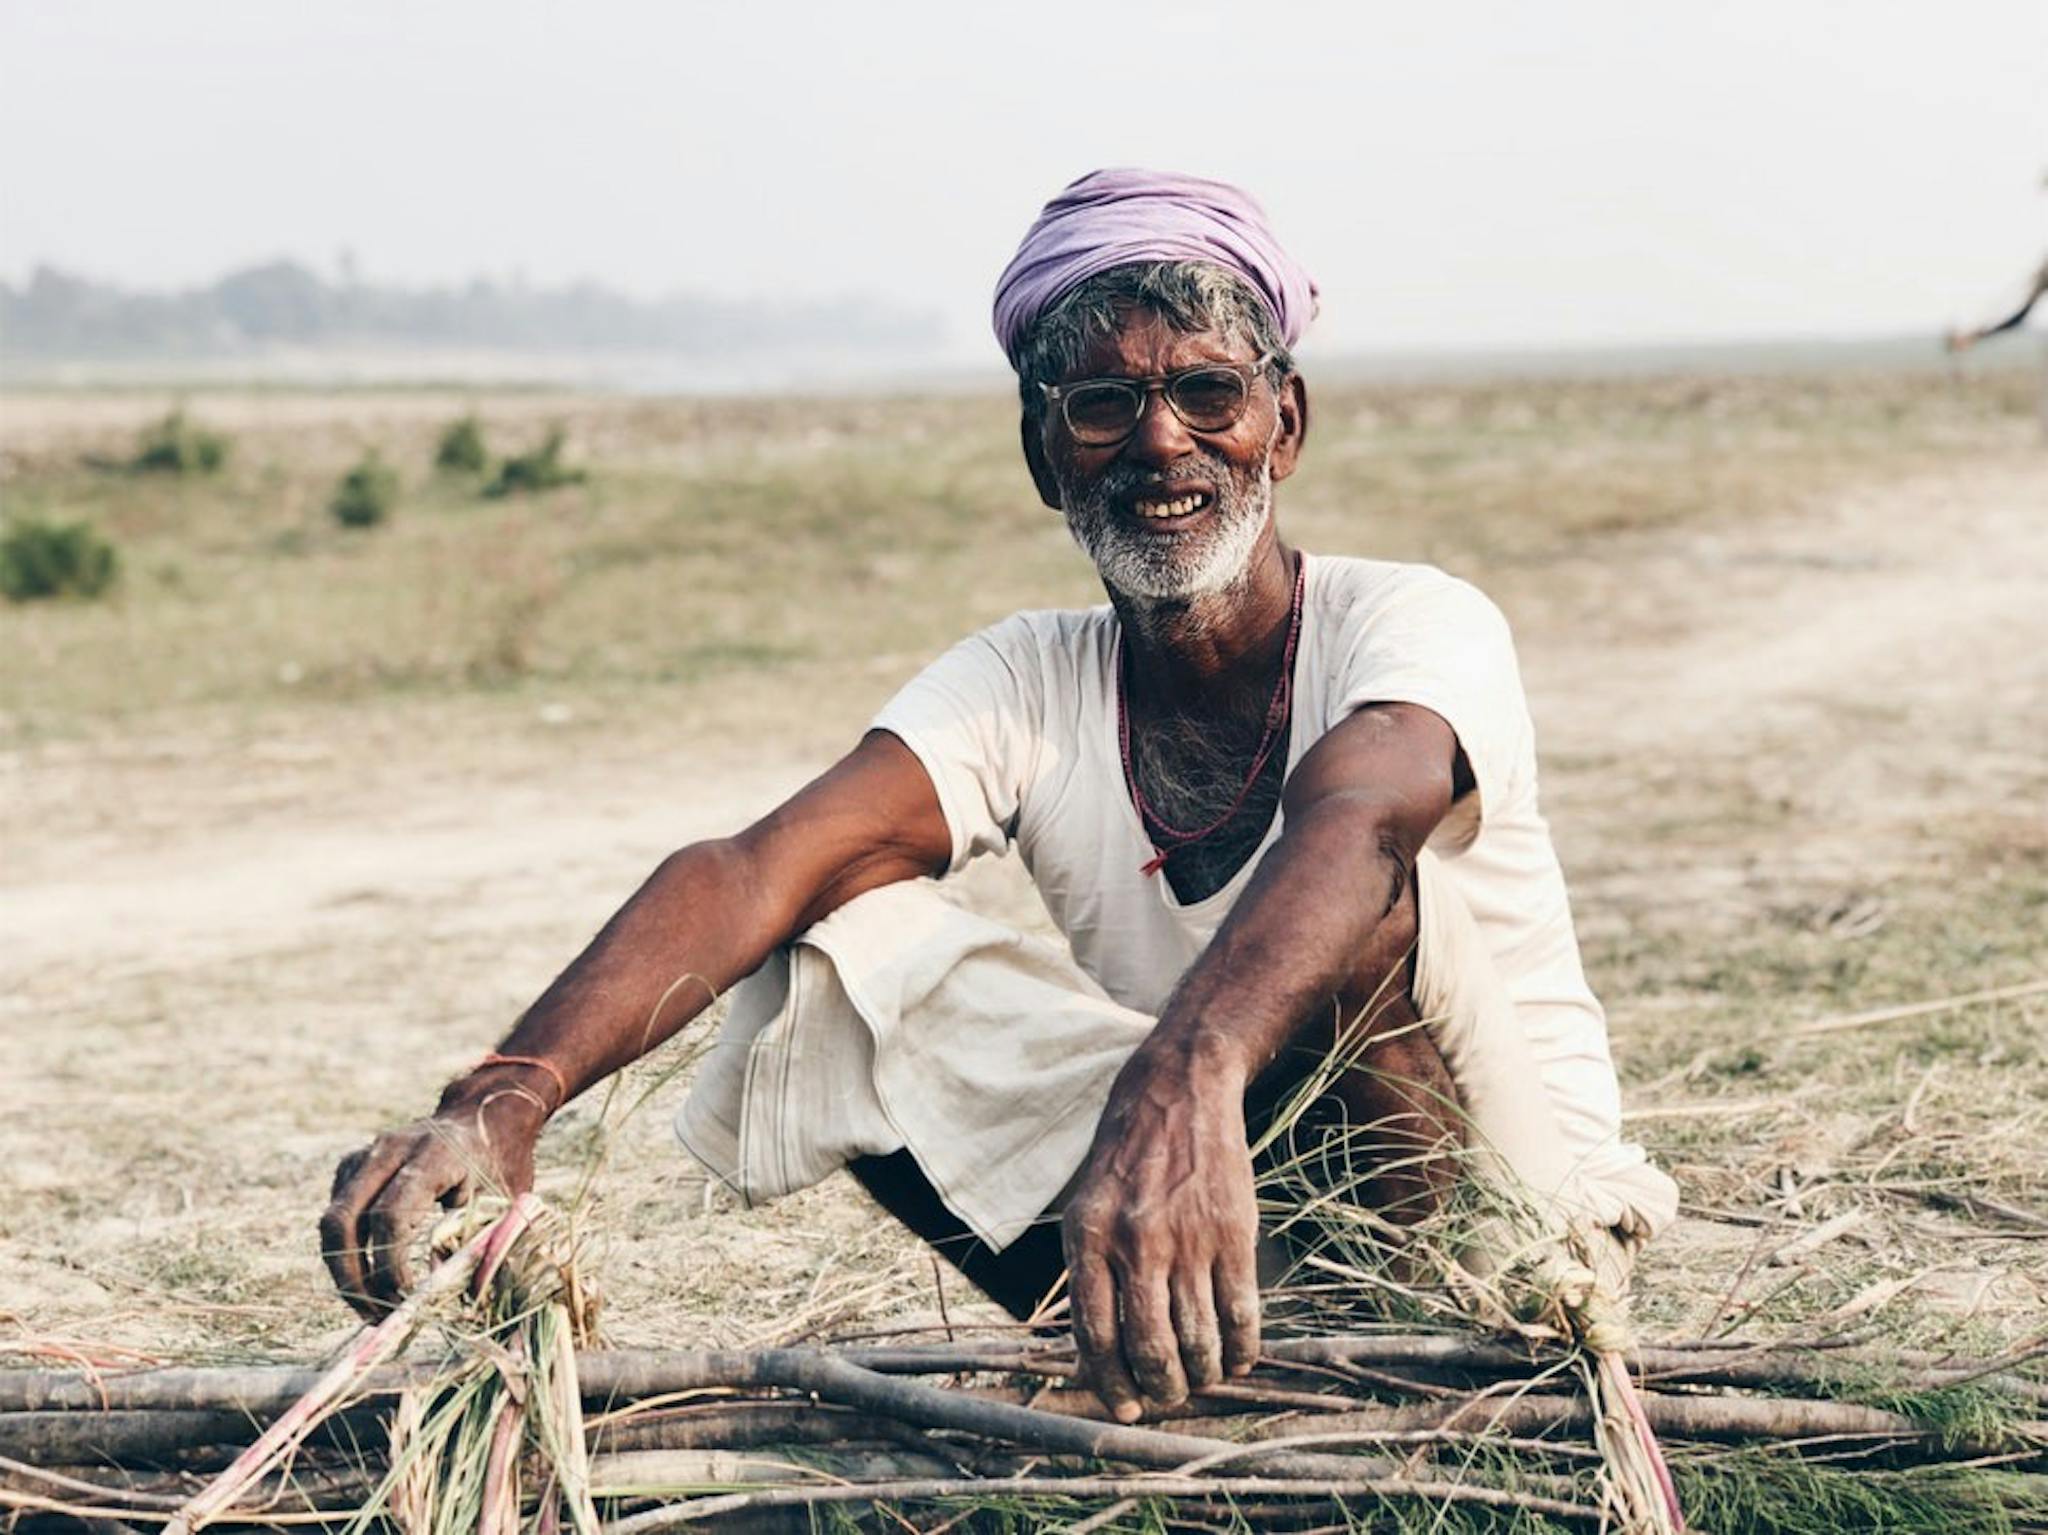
[(554, 1071)]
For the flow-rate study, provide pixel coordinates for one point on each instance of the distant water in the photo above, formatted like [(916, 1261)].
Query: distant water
[(842, 372), (1788, 355), (602, 371)]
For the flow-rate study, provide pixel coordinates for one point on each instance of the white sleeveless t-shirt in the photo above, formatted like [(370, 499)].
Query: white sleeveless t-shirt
[(1017, 727)]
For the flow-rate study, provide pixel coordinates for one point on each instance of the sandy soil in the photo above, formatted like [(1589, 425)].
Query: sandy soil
[(229, 960)]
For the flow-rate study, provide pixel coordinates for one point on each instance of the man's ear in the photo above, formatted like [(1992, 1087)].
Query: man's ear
[(1293, 425), (1032, 429)]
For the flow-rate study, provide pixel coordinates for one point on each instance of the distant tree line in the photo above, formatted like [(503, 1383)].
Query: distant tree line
[(57, 314)]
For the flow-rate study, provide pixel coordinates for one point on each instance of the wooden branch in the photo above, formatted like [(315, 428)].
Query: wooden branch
[(1669, 1367), (1714, 1418), (789, 1424), (612, 1377), (610, 1374), (643, 1474), (67, 1438), (123, 1484), (1802, 1368), (261, 1391), (151, 1435), (837, 1380), (677, 1515), (1438, 1351), (305, 1483), (746, 1425)]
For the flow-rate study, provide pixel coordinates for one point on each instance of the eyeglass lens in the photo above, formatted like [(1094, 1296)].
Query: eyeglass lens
[(1207, 399)]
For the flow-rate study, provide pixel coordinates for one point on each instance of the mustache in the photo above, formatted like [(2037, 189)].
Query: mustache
[(1117, 480)]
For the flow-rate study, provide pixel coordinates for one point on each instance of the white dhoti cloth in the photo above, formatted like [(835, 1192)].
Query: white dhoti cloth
[(903, 1021)]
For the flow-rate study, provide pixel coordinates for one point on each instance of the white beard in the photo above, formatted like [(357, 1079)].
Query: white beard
[(1175, 569)]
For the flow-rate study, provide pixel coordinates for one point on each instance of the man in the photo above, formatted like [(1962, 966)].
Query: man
[(2010, 318), (1276, 803)]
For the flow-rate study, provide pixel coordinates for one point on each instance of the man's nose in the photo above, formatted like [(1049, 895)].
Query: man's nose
[(1160, 437)]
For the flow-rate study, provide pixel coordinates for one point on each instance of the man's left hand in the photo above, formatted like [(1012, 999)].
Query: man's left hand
[(1161, 1239)]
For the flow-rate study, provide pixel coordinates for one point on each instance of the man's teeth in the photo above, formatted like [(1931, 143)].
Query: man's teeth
[(1179, 508)]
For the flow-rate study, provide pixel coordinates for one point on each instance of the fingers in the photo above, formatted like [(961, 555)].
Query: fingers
[(1237, 1305), (400, 1210), (359, 1179), (1194, 1324), (385, 1193), (387, 1229), (342, 1254), (1095, 1336), (381, 1195), (1151, 1351), (345, 1172)]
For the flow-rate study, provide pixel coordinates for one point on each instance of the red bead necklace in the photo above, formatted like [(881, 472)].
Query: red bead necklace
[(1158, 830)]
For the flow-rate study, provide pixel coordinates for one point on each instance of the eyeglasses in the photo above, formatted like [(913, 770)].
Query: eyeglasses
[(1209, 398)]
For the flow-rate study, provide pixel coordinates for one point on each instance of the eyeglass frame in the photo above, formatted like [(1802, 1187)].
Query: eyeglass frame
[(1162, 384)]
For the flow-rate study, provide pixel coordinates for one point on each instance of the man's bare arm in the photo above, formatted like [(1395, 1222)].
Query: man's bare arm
[(1162, 1227), (1358, 810), (708, 916)]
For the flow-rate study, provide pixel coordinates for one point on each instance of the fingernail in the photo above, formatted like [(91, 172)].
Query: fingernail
[(1127, 1412)]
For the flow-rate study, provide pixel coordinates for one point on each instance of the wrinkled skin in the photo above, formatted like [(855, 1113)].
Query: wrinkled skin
[(1161, 1237), (1181, 566), (482, 1138)]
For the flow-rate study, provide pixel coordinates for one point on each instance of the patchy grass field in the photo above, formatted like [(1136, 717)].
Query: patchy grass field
[(298, 819)]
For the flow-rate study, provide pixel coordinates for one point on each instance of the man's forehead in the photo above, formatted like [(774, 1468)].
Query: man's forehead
[(1145, 343)]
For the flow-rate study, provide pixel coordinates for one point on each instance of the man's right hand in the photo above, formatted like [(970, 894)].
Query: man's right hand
[(711, 913), (480, 1139)]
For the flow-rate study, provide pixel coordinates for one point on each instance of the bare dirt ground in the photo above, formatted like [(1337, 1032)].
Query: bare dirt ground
[(1797, 765)]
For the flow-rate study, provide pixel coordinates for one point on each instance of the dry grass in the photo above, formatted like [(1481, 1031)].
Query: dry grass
[(298, 821)]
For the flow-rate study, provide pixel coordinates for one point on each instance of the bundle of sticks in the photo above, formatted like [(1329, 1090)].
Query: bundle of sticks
[(513, 1427)]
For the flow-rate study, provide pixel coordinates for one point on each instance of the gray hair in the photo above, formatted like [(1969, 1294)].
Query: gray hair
[(1194, 297)]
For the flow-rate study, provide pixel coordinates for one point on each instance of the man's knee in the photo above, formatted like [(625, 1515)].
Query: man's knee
[(1394, 1072), (1377, 1000), (1370, 1021)]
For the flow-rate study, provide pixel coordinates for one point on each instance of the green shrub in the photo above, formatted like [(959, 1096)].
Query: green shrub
[(49, 559), (366, 493), (542, 469), (175, 446), (461, 450)]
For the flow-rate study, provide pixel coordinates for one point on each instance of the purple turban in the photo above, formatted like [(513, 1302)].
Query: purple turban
[(1111, 218)]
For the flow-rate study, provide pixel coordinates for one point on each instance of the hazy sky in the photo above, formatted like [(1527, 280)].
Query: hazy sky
[(1455, 174)]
